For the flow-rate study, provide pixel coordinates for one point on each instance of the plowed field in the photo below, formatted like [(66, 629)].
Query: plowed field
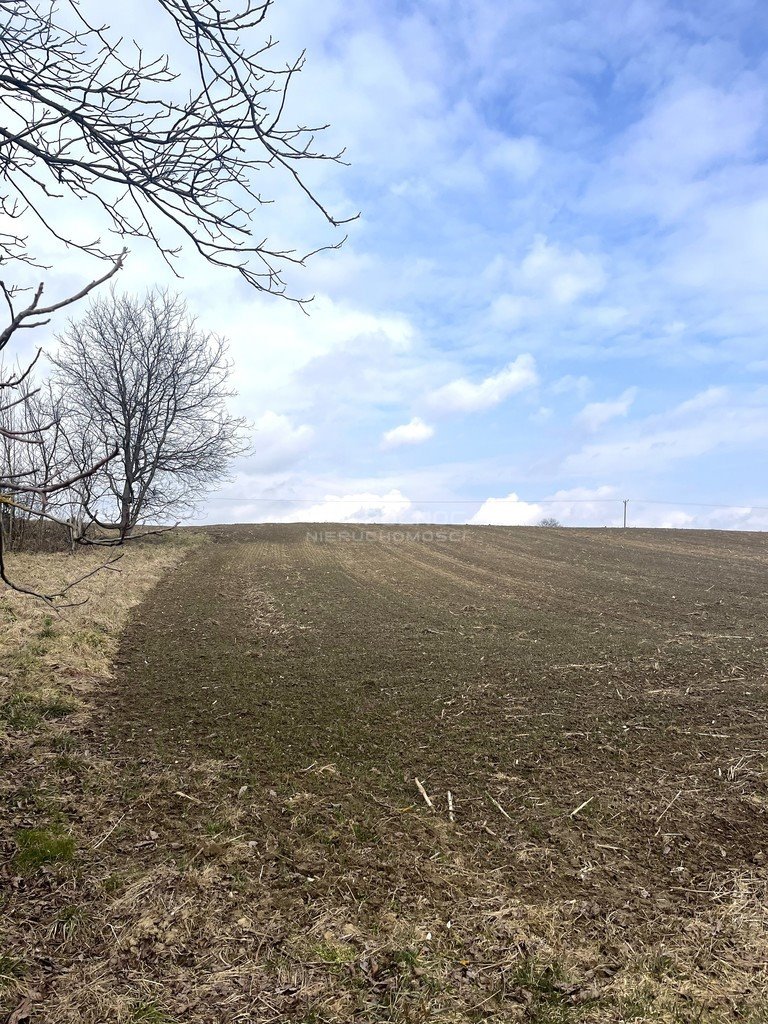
[(410, 774)]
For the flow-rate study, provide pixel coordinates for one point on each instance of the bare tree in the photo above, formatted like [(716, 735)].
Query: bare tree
[(90, 115), (25, 479), (549, 522), (139, 375), (32, 450)]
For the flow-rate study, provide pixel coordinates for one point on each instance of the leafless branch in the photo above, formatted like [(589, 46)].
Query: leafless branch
[(87, 114)]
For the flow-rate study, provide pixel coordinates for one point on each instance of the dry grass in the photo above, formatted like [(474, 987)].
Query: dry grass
[(50, 659), (40, 647), (51, 665)]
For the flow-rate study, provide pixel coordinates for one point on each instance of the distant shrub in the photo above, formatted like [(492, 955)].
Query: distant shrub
[(549, 521)]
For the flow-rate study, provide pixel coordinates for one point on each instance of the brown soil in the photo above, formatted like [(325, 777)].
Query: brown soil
[(593, 701)]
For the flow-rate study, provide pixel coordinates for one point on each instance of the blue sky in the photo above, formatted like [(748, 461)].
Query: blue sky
[(557, 286)]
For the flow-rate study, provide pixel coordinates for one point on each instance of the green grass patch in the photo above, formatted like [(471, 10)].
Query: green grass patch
[(71, 920), (661, 967), (330, 952), (23, 712), (89, 640), (215, 828), (55, 707), (547, 988), (38, 846), (404, 959), (114, 882), (20, 713), (64, 744), (47, 632), (150, 1013), (11, 969)]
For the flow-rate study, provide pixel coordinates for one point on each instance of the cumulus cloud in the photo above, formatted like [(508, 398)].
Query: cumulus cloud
[(277, 442), (363, 507), (577, 506), (465, 396), (596, 414), (509, 511), (586, 506), (735, 517), (414, 432)]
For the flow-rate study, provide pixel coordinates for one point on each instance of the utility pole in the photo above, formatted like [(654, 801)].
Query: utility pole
[(626, 502)]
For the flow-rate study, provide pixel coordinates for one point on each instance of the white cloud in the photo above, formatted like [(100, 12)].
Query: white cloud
[(735, 517), (596, 414), (414, 432), (521, 156), (660, 517), (509, 511), (464, 396), (723, 250), (571, 383), (690, 128), (687, 432), (703, 400), (732, 518), (366, 507), (277, 443), (564, 275), (603, 506), (510, 311), (542, 414), (576, 506), (676, 158), (586, 506)]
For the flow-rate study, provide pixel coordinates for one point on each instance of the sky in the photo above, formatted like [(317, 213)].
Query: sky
[(555, 295)]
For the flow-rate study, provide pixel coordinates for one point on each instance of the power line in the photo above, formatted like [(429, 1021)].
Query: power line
[(481, 501), (701, 504), (428, 501)]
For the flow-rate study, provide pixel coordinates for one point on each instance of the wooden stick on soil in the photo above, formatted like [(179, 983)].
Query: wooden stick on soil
[(497, 804), (451, 816), (425, 795), (581, 807)]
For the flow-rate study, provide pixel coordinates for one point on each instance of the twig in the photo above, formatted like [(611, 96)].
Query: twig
[(186, 796), (497, 804), (451, 815), (581, 807), (679, 793), (106, 836), (424, 794)]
